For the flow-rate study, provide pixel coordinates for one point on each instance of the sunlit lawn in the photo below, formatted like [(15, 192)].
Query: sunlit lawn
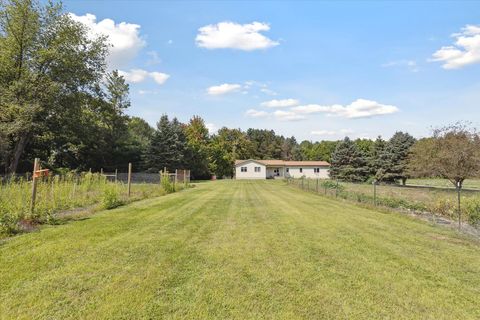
[(240, 250)]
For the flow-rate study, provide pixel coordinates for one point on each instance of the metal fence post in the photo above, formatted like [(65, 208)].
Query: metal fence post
[(374, 192), (459, 188), (336, 190)]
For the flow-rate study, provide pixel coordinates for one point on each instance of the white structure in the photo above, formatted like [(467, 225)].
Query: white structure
[(268, 169)]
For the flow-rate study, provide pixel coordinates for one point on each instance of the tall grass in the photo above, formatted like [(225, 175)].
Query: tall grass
[(61, 193), (442, 202)]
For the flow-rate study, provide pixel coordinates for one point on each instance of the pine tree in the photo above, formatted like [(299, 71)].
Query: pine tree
[(393, 160), (167, 147), (375, 160), (348, 163)]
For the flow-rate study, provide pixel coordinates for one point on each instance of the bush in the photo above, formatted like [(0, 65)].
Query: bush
[(329, 184), (444, 207), (167, 185), (471, 209), (111, 197)]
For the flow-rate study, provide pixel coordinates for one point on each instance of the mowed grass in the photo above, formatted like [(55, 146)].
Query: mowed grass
[(241, 250)]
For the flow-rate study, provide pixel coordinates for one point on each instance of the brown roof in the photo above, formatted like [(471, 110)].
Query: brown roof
[(286, 163)]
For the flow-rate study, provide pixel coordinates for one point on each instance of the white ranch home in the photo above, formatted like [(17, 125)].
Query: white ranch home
[(267, 169)]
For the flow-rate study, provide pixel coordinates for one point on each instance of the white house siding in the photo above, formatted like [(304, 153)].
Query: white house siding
[(250, 174), (307, 172)]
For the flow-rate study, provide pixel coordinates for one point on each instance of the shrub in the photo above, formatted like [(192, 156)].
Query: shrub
[(329, 184), (471, 209), (167, 185), (444, 207), (111, 197)]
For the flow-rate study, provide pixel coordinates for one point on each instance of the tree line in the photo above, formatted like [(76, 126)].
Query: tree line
[(59, 102)]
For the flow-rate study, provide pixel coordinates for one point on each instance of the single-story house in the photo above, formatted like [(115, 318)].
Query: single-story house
[(267, 169)]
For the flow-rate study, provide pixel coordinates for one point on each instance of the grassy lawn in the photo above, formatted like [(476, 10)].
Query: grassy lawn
[(240, 250), (469, 183)]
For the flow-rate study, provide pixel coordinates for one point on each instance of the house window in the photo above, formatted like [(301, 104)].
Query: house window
[(243, 169), (301, 170), (287, 170), (316, 170), (258, 169)]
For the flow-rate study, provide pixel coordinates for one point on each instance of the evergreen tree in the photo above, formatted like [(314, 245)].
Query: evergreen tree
[(348, 163), (167, 147), (393, 160), (375, 160)]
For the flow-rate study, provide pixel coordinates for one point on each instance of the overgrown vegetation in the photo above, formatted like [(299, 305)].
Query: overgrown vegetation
[(441, 202), (61, 193)]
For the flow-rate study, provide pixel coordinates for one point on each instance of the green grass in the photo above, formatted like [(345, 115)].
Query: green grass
[(469, 183), (240, 250), (60, 193)]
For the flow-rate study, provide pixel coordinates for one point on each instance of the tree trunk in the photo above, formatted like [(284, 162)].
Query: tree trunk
[(18, 152)]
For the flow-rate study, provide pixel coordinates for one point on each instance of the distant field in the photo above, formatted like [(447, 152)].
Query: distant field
[(469, 183), (240, 250)]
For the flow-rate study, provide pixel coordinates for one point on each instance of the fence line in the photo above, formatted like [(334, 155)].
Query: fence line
[(434, 200)]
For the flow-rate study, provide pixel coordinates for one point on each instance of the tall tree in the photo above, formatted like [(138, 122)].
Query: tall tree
[(393, 160), (265, 144), (48, 65), (227, 146), (198, 143), (290, 149), (167, 147), (452, 153), (348, 163), (375, 160)]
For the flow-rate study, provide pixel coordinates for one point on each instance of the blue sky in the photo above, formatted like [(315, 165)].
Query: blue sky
[(315, 70)]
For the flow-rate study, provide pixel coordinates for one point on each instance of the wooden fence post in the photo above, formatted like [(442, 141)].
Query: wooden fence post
[(129, 178), (185, 178), (175, 180), (116, 175), (374, 193), (36, 167), (317, 185), (336, 190)]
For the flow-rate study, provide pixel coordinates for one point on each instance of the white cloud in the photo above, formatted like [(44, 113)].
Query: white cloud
[(134, 75), (223, 89), (232, 35), (154, 58), (252, 113), (288, 116), (212, 128), (331, 132), (159, 77), (284, 103), (323, 133), (140, 75), (465, 51), (124, 38), (268, 91), (360, 108), (411, 65), (144, 92)]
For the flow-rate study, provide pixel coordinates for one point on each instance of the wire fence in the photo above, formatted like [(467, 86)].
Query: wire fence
[(450, 203), (37, 197), (181, 176)]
